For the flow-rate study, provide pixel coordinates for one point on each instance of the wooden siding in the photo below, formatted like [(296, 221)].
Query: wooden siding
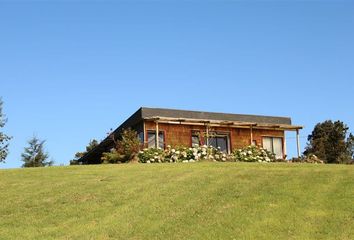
[(181, 135)]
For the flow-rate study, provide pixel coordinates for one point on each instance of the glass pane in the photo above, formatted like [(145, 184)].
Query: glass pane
[(222, 143), (212, 142), (267, 144), (141, 137), (151, 139), (278, 147), (161, 140), (195, 140)]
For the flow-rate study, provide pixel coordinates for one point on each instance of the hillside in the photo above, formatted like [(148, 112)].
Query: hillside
[(178, 201)]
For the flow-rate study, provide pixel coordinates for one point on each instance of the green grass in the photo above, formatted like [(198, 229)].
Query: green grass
[(178, 201)]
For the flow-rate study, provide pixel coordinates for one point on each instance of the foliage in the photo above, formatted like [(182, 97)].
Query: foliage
[(92, 144), (253, 154), (112, 157), (312, 158), (34, 155), (126, 148), (181, 154), (152, 155), (4, 139), (329, 141)]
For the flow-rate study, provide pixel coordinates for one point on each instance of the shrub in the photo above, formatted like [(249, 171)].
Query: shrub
[(181, 154), (113, 157), (253, 154), (312, 158), (126, 148), (151, 155)]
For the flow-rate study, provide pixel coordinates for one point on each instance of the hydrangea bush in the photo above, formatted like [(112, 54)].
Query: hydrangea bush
[(181, 154), (152, 155), (253, 154), (200, 153)]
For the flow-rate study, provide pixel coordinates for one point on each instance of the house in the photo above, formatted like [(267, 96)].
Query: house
[(157, 127)]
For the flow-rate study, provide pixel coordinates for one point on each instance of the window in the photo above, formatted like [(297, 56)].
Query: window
[(152, 139), (220, 141), (274, 145), (141, 137), (195, 138), (254, 143)]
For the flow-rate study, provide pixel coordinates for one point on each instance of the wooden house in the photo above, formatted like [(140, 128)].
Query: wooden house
[(157, 127)]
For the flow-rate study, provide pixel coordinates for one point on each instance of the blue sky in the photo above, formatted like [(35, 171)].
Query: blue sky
[(70, 71)]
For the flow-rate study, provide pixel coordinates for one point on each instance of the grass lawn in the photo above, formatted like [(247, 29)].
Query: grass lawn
[(178, 201)]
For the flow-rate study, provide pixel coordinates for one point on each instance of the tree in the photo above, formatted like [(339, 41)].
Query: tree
[(92, 144), (331, 142), (34, 155), (126, 148), (4, 139)]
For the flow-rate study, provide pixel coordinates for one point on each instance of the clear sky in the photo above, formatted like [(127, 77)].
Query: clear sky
[(70, 71)]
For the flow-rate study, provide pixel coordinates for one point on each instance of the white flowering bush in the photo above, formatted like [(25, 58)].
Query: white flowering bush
[(200, 153), (181, 154), (253, 154), (151, 155)]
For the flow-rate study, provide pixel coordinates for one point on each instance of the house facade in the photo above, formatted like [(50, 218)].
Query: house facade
[(157, 127)]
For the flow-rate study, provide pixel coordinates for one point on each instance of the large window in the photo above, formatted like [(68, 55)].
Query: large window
[(152, 139), (220, 141), (274, 145)]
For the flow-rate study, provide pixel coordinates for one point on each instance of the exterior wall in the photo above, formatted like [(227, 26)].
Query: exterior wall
[(178, 135)]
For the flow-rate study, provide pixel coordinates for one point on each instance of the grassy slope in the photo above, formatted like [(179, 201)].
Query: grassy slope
[(178, 201)]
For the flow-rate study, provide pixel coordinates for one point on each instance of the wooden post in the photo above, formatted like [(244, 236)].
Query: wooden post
[(145, 135), (298, 142), (157, 135), (207, 135), (251, 130), (284, 145)]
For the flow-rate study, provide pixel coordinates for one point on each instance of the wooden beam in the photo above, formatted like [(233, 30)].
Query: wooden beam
[(145, 135), (218, 123), (157, 134), (284, 146), (207, 135), (251, 131)]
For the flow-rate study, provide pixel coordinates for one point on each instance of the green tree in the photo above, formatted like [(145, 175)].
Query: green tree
[(126, 148), (4, 139), (92, 144), (34, 155), (331, 142)]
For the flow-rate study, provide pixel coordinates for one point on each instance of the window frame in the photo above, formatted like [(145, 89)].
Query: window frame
[(153, 131), (221, 134)]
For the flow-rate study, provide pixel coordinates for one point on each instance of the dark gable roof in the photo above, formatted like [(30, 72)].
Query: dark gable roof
[(173, 113)]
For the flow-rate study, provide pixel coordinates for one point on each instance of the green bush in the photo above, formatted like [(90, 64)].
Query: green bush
[(125, 149), (113, 157), (152, 155), (311, 158)]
